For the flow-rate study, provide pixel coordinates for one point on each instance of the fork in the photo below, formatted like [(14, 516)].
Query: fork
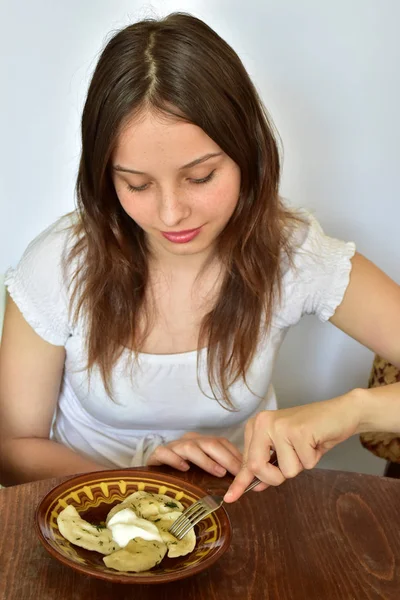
[(202, 508)]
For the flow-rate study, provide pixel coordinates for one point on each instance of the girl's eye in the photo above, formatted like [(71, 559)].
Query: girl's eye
[(140, 188), (204, 179)]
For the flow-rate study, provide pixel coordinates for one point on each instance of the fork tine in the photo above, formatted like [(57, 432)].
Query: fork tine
[(187, 514), (178, 523), (194, 513), (188, 521), (184, 528), (184, 525), (179, 536), (182, 531), (192, 508)]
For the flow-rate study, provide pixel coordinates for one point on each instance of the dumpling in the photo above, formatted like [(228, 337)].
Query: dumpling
[(139, 555), (167, 504), (175, 547), (81, 533), (147, 505)]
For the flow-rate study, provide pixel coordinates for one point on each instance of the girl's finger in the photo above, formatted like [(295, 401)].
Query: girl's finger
[(190, 450), (215, 449), (258, 457), (244, 477), (163, 455), (289, 463), (239, 484), (308, 455), (232, 448)]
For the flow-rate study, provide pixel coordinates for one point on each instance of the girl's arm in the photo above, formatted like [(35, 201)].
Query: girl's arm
[(30, 377), (370, 313)]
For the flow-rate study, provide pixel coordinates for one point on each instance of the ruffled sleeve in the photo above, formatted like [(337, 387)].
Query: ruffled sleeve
[(317, 280), (38, 287)]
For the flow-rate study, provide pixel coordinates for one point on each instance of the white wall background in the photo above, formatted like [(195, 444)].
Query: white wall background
[(327, 71)]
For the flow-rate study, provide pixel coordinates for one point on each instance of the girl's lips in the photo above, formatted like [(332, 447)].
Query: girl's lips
[(181, 237)]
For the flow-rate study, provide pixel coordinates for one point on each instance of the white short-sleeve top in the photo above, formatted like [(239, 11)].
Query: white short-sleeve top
[(159, 398)]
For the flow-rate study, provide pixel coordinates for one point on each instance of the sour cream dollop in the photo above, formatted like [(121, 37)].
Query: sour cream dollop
[(125, 526)]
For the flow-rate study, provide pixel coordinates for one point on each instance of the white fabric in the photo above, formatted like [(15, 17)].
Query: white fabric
[(159, 399), (2, 302)]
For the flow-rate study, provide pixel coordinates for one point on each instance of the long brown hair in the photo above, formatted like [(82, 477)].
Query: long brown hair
[(177, 62)]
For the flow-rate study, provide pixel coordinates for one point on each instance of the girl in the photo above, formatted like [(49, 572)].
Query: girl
[(143, 328)]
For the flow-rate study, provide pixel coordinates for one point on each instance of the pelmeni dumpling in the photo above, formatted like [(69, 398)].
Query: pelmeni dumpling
[(175, 547), (81, 533), (147, 505), (139, 555)]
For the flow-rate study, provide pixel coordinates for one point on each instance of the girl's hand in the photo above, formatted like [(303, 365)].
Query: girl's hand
[(299, 435), (215, 455)]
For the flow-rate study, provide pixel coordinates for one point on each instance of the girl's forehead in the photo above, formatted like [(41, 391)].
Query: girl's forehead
[(153, 137)]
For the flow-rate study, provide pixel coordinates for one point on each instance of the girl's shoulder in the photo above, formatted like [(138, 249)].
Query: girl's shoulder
[(54, 241), (39, 283), (316, 275)]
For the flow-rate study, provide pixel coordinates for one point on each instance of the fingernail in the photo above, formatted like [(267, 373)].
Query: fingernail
[(228, 496), (220, 470)]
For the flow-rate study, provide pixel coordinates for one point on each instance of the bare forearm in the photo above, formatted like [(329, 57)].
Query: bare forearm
[(31, 459), (380, 409)]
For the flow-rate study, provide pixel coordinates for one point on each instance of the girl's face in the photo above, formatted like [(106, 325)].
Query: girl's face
[(175, 183)]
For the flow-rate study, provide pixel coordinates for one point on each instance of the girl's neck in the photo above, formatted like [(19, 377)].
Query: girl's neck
[(190, 265)]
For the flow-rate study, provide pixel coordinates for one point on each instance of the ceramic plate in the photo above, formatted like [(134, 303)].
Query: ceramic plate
[(94, 494)]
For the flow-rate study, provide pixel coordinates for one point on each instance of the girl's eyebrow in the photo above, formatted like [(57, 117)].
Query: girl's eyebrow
[(193, 163)]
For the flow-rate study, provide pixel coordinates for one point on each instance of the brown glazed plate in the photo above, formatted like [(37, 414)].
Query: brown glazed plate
[(94, 494)]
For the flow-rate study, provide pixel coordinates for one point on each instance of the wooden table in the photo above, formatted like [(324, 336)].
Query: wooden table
[(324, 535)]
